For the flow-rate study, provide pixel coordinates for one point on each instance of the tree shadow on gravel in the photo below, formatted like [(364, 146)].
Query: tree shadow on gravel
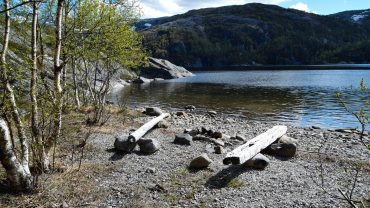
[(117, 154), (222, 178)]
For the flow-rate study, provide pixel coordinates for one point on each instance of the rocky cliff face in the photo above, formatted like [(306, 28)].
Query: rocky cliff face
[(251, 34)]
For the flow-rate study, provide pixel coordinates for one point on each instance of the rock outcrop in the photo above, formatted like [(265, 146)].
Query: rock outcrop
[(160, 68)]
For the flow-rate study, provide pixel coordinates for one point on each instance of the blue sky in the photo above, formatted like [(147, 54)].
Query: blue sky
[(330, 6), (157, 8)]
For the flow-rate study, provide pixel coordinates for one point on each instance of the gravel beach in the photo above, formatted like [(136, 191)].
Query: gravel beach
[(163, 179)]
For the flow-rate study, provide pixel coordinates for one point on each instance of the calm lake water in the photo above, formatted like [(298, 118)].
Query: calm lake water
[(300, 97)]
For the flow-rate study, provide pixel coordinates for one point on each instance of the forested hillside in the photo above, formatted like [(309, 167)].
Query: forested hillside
[(256, 34)]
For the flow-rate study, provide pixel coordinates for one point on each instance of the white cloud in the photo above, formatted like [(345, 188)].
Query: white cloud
[(158, 8), (301, 6)]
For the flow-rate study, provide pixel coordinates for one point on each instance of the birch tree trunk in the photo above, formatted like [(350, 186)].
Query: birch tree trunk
[(33, 91), (58, 91), (75, 85), (18, 173)]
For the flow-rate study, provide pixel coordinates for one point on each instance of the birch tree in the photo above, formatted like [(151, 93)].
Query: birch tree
[(16, 166)]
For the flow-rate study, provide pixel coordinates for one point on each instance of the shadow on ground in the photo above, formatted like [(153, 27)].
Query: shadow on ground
[(118, 155), (222, 178)]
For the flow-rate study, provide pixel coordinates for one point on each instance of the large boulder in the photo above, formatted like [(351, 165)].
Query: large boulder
[(159, 68), (285, 147), (124, 144), (148, 146)]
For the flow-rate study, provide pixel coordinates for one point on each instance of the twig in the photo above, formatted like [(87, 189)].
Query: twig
[(347, 198)]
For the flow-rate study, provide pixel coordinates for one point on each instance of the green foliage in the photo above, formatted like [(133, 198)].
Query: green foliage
[(362, 114)]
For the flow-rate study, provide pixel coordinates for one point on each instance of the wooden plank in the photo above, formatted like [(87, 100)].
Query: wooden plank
[(250, 149), (135, 136)]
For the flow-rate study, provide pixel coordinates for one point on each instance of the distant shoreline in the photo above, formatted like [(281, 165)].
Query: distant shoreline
[(285, 67)]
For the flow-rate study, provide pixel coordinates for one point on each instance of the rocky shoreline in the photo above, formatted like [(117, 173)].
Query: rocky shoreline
[(164, 179)]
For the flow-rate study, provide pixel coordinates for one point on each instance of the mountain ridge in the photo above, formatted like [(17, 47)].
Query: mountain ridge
[(254, 34)]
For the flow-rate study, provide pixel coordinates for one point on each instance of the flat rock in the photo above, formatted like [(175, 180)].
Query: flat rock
[(218, 142), (192, 132), (190, 107), (258, 162), (200, 162), (142, 80), (162, 124), (217, 135), (202, 138), (183, 139), (153, 111), (212, 113), (219, 150), (287, 140), (148, 146), (181, 113), (240, 138)]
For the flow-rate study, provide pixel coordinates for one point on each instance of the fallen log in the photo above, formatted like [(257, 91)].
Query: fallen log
[(135, 136), (128, 143), (250, 149)]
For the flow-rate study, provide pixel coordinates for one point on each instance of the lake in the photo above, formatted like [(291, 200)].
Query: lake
[(300, 97)]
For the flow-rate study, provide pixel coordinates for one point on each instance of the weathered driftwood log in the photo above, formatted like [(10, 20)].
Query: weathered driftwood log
[(134, 137), (250, 149), (127, 144)]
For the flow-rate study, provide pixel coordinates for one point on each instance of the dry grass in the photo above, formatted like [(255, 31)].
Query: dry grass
[(76, 188)]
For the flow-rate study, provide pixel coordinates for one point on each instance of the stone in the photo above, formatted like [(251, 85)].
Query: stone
[(153, 111), (258, 162), (240, 138), (122, 143), (148, 146), (218, 142), (190, 107), (142, 80), (217, 135), (162, 124), (287, 140), (192, 132), (183, 139), (226, 137), (281, 150), (202, 138), (200, 162), (212, 113), (205, 131), (219, 150), (64, 205), (150, 170), (316, 127), (347, 131), (181, 113)]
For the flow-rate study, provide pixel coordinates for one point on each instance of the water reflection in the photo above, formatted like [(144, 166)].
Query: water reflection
[(303, 98)]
